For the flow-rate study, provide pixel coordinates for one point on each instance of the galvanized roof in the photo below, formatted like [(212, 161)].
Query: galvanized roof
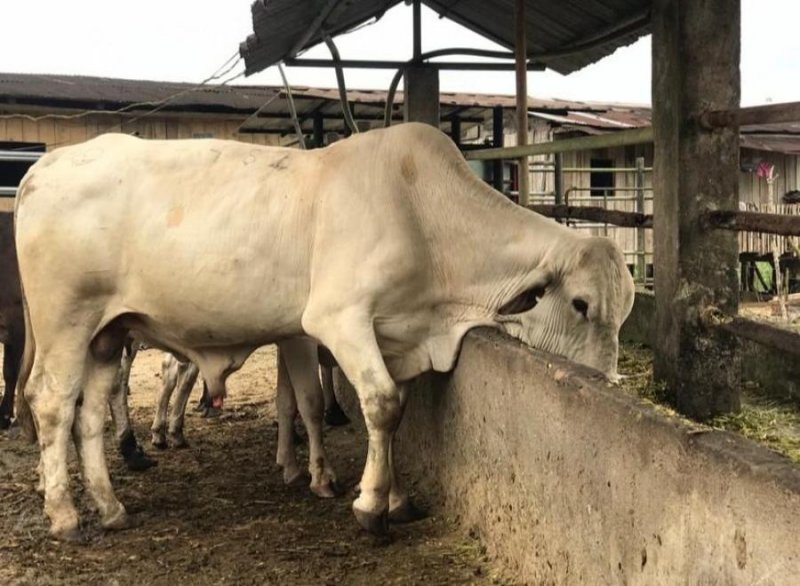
[(566, 35)]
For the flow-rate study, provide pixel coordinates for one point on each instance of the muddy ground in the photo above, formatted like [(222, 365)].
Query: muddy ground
[(218, 512)]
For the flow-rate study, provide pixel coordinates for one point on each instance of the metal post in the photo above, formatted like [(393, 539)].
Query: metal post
[(497, 142), (641, 263), (521, 52), (417, 30), (559, 179), (319, 130), (455, 129), (695, 170)]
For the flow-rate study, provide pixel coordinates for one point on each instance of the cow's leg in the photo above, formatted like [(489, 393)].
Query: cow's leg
[(401, 509), (101, 376), (12, 357), (300, 356), (135, 457), (52, 390), (334, 416), (169, 380), (351, 338), (187, 377), (287, 411)]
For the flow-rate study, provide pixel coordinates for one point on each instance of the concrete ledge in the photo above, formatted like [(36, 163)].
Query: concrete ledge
[(569, 481)]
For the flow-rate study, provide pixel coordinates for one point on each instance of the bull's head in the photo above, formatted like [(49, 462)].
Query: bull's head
[(575, 308)]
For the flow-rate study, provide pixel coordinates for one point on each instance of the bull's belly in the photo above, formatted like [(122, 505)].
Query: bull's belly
[(207, 321)]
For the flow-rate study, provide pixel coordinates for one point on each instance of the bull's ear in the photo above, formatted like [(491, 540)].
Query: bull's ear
[(530, 296)]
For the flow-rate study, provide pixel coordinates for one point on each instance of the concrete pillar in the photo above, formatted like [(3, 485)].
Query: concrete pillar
[(696, 48), (421, 103)]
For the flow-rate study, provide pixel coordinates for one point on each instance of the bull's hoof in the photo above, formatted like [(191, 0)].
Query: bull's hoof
[(375, 523), (335, 417), (295, 479), (326, 490), (68, 534), (212, 412), (118, 521), (177, 441), (140, 461), (159, 442), (5, 421), (406, 512)]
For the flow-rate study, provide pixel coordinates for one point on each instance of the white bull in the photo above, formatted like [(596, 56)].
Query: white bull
[(384, 247)]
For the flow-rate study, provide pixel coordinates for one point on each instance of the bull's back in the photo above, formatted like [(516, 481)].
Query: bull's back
[(191, 231)]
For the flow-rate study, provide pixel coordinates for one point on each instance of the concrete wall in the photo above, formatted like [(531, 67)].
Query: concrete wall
[(777, 373), (568, 481)]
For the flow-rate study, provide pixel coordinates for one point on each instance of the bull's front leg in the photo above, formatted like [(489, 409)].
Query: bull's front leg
[(351, 338), (300, 358)]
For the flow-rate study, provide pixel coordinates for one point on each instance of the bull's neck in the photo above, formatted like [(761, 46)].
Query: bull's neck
[(493, 245)]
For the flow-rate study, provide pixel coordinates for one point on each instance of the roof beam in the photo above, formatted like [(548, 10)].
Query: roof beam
[(449, 66)]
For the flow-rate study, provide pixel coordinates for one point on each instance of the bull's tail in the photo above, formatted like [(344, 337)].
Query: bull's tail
[(24, 414)]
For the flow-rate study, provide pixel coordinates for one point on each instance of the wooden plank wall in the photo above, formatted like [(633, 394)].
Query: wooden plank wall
[(55, 132)]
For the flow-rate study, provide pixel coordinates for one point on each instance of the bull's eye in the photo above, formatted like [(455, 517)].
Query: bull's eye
[(581, 306), (523, 302)]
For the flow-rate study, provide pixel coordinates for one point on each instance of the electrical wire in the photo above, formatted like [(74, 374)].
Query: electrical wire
[(159, 104), (292, 110)]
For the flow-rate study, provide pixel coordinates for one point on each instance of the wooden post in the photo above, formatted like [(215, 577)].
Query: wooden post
[(417, 18), (498, 137), (521, 51), (641, 259), (696, 49), (319, 130)]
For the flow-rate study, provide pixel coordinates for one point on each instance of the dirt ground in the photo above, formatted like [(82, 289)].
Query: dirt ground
[(218, 512)]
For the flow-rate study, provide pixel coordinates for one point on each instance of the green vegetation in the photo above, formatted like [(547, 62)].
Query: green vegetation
[(773, 424)]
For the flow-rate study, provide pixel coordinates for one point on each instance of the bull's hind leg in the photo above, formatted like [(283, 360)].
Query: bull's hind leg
[(300, 356), (102, 366), (187, 376), (52, 391), (135, 457), (12, 356), (169, 380), (286, 456), (351, 338)]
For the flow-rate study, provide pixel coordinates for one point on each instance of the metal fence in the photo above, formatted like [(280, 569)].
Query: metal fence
[(635, 243)]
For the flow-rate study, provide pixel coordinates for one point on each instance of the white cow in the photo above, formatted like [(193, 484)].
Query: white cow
[(298, 390), (384, 247)]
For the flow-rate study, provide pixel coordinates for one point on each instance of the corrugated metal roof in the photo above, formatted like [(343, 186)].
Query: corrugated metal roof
[(109, 93), (552, 26)]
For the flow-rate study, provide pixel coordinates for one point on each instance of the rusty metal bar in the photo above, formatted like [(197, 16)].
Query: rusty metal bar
[(778, 338), (752, 116), (752, 222), (620, 138), (521, 51), (382, 64), (595, 214)]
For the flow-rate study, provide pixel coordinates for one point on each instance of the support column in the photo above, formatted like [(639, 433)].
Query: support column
[(521, 50), (696, 48), (498, 138), (421, 103)]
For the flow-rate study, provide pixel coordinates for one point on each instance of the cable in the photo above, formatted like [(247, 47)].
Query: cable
[(292, 110), (348, 115), (157, 103)]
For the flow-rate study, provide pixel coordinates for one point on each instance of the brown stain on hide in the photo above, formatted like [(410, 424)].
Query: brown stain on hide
[(408, 169), (175, 217)]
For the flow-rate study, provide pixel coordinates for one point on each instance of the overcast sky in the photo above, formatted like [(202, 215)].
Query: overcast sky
[(186, 40)]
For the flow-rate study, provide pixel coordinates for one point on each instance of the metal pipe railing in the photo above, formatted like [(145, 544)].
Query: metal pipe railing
[(19, 156), (620, 138)]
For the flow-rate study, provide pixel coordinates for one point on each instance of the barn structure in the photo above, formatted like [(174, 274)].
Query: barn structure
[(586, 486), (565, 479)]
